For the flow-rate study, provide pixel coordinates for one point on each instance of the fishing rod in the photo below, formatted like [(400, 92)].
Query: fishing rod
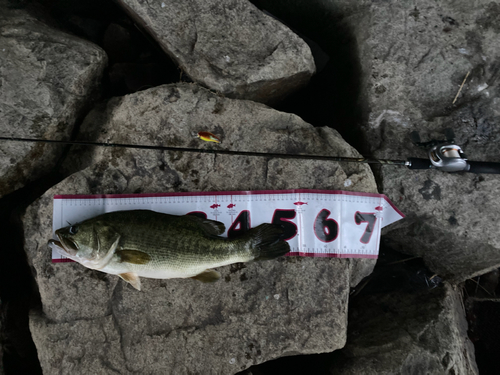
[(442, 156)]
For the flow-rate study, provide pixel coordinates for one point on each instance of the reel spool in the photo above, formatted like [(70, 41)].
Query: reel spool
[(448, 158)]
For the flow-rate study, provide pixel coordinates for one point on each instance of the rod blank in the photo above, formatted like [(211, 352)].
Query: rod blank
[(211, 151)]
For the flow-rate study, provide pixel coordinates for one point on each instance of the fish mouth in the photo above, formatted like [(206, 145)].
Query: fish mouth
[(64, 243), (58, 248), (55, 243)]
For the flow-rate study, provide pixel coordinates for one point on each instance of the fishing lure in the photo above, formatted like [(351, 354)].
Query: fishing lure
[(208, 137)]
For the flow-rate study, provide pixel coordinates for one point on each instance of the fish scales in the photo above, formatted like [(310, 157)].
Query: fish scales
[(155, 245), (163, 236)]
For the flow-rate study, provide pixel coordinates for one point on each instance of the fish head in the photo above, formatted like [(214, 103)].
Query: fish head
[(91, 243)]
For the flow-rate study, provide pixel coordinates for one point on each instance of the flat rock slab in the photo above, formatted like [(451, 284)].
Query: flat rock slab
[(229, 46), (414, 59), (450, 220), (95, 323), (403, 333), (46, 78)]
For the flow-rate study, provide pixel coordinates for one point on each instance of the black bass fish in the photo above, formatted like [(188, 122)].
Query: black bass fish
[(141, 243)]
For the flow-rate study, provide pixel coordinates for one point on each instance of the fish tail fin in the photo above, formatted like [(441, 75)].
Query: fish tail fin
[(267, 241)]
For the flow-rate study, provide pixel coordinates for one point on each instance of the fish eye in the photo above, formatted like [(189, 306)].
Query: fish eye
[(73, 229)]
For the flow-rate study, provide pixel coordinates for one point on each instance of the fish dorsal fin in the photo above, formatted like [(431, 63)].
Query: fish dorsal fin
[(133, 256), (207, 276), (132, 279), (210, 227)]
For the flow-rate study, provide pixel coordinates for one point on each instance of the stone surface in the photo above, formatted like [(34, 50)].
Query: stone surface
[(46, 78), (414, 59), (403, 333), (228, 46), (257, 311)]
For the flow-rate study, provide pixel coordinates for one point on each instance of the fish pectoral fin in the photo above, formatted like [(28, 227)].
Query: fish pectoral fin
[(207, 276), (133, 256), (132, 279)]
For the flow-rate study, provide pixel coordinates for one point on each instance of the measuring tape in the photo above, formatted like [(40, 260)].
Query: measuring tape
[(317, 223)]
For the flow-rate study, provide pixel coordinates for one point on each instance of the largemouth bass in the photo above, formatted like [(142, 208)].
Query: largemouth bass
[(141, 243)]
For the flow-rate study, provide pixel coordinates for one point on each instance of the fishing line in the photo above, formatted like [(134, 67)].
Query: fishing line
[(444, 157), (212, 151)]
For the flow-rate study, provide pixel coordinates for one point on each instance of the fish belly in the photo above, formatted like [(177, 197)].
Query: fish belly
[(188, 270), (166, 270)]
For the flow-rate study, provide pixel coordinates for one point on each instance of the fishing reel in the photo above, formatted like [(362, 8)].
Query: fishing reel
[(446, 156)]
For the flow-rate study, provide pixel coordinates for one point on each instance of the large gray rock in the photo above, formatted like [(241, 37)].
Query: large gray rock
[(229, 46), (46, 78), (95, 323), (403, 333), (414, 59)]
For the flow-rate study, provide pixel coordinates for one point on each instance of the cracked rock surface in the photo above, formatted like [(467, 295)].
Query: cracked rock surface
[(408, 333), (228, 46), (92, 322), (414, 59), (46, 78)]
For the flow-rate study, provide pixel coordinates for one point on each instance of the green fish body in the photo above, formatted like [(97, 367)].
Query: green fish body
[(141, 243)]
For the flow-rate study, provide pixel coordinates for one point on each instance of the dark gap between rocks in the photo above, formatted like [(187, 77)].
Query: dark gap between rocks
[(317, 364), (136, 62), (482, 306), (18, 289), (333, 96), (484, 329)]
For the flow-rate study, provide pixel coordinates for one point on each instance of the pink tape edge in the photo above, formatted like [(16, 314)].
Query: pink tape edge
[(333, 255), (63, 260)]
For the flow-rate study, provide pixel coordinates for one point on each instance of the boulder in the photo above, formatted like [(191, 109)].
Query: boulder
[(92, 322), (46, 79), (414, 59), (228, 46), (408, 333)]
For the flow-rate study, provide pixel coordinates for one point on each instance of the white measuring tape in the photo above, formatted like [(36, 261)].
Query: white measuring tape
[(318, 223)]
